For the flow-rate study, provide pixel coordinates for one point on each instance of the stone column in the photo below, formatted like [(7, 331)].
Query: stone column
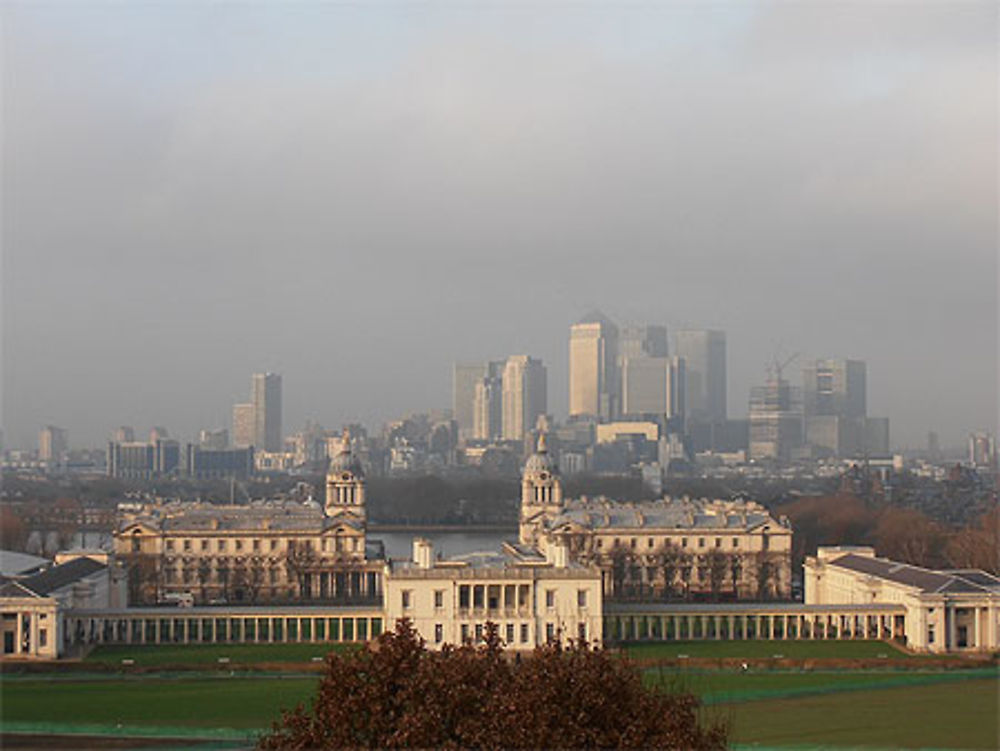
[(977, 643)]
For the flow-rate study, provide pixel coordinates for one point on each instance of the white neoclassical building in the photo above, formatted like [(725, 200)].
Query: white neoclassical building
[(257, 553), (715, 547), (945, 611), (532, 598)]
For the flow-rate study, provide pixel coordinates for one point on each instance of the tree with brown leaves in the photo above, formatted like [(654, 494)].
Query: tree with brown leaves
[(394, 693)]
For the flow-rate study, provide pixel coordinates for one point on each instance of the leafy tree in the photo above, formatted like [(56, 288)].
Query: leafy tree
[(718, 568), (395, 693)]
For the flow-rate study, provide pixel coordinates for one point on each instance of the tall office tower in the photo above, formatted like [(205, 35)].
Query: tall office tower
[(265, 396), (524, 396), (487, 422), (593, 368), (704, 353), (642, 341), (125, 434), (466, 376), (158, 433), (775, 421), (653, 387), (52, 443), (834, 387), (835, 406), (242, 425)]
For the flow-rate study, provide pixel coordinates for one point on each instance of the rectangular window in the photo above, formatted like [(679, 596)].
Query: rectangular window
[(465, 633), (652, 542), (478, 595), (187, 545), (43, 637), (550, 632), (274, 544), (524, 633), (222, 546), (930, 634), (406, 599), (438, 598), (438, 633), (736, 542), (479, 632), (581, 598), (204, 545), (632, 543), (239, 544), (256, 546), (718, 542), (701, 542), (510, 633), (170, 544), (600, 542), (463, 596), (550, 598), (581, 632), (684, 542)]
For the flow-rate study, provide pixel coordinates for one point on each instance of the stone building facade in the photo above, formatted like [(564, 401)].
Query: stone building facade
[(673, 547), (257, 553)]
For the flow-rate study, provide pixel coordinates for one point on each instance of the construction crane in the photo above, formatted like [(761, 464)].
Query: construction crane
[(776, 366)]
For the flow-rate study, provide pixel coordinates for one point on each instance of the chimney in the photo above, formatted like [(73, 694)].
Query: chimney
[(423, 552), (557, 554)]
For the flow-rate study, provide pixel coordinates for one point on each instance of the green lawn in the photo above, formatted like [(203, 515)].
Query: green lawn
[(209, 654), (207, 702), (723, 687), (932, 716), (753, 649), (933, 708)]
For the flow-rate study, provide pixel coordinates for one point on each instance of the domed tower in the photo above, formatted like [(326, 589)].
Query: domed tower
[(345, 483), (541, 493)]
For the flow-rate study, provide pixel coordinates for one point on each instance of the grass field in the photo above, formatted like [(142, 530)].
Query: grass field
[(209, 654), (185, 702), (796, 650), (933, 708), (933, 716)]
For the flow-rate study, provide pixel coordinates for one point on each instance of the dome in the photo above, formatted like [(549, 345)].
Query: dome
[(541, 461), (345, 461)]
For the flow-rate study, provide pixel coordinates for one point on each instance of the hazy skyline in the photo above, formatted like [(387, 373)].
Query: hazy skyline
[(355, 197)]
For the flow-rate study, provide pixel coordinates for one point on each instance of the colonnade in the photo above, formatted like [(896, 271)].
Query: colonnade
[(203, 626), (721, 622)]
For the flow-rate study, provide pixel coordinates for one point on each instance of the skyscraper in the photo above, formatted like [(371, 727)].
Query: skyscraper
[(834, 387), (593, 368), (524, 395), (653, 387), (704, 353), (487, 424), (265, 397), (643, 341), (466, 377), (243, 425)]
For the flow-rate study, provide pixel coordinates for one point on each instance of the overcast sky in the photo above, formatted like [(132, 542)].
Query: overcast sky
[(357, 195)]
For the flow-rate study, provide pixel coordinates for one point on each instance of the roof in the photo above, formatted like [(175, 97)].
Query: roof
[(665, 514), (925, 580), (212, 518), (58, 577), (13, 563)]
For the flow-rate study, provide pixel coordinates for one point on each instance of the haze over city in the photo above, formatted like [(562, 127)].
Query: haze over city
[(357, 198)]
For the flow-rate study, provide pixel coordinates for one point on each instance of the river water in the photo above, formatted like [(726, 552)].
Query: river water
[(399, 545)]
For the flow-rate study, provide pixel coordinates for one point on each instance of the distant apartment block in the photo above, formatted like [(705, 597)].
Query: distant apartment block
[(52, 444), (142, 460), (265, 398), (216, 440), (204, 462)]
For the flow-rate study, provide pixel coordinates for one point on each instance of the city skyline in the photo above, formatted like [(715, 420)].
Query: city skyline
[(357, 198)]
